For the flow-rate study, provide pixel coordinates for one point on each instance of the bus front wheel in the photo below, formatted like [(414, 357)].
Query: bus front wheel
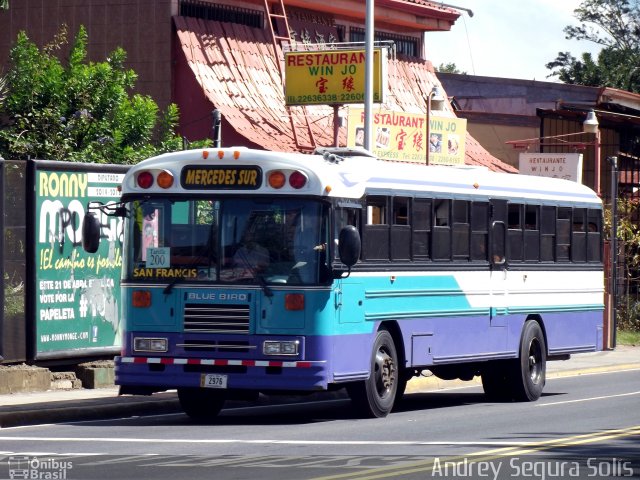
[(201, 404), (375, 396)]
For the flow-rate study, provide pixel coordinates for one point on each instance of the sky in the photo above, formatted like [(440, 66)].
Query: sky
[(508, 38)]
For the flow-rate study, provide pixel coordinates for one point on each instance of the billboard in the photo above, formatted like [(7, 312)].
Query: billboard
[(76, 295), (331, 77), (554, 165), (401, 136)]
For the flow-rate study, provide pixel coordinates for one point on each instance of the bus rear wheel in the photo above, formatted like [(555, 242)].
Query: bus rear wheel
[(375, 396), (530, 374), (496, 380), (201, 404)]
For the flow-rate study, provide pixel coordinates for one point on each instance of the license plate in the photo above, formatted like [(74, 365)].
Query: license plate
[(212, 380)]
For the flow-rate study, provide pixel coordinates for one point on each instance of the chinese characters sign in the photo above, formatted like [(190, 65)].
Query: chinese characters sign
[(330, 77), (402, 136)]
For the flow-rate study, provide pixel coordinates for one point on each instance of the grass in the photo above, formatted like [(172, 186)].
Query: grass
[(628, 338)]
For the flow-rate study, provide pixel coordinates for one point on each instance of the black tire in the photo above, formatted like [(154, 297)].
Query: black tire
[(496, 380), (201, 404), (529, 375), (375, 396)]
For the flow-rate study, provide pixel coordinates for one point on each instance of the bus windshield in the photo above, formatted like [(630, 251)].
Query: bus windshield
[(228, 240)]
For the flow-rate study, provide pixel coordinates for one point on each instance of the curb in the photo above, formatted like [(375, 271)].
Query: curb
[(46, 414), (594, 370), (431, 383)]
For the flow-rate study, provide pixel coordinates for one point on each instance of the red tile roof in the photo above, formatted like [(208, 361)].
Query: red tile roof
[(236, 67)]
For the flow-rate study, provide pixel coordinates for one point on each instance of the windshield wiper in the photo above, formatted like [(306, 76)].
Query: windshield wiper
[(167, 290), (263, 283), (255, 275)]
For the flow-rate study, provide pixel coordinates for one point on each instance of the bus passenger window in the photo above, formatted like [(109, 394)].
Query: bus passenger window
[(531, 233), (421, 224), (479, 230), (531, 217), (376, 211), (515, 216), (579, 236), (401, 211), (594, 250), (442, 213)]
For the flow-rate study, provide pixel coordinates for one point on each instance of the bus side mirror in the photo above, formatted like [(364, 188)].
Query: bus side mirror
[(90, 233), (349, 245)]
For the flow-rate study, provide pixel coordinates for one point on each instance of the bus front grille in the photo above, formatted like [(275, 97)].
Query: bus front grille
[(207, 318)]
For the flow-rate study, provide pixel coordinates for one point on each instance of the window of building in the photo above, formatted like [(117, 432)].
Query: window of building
[(221, 13), (404, 44)]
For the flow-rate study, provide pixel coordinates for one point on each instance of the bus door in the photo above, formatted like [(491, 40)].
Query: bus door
[(498, 265)]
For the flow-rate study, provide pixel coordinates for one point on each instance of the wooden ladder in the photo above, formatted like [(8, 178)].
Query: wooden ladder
[(272, 19)]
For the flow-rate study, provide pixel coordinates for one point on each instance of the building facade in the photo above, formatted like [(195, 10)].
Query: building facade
[(226, 55)]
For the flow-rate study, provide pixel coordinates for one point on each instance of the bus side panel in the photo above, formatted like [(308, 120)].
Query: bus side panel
[(568, 303), (573, 332), (434, 341)]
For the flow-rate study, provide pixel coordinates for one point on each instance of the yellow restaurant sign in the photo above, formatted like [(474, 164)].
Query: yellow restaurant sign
[(330, 77), (401, 136)]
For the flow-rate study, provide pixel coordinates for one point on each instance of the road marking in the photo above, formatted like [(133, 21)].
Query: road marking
[(262, 441), (487, 455), (587, 399), (587, 372)]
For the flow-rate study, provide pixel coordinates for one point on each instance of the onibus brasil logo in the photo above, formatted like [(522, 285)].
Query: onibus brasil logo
[(34, 468)]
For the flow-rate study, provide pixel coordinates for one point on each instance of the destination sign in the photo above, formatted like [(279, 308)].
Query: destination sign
[(221, 177)]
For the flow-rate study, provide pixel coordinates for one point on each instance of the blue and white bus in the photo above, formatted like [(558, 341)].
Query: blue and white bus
[(249, 271)]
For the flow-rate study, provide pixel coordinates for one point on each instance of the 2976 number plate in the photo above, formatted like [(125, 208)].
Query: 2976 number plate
[(213, 380)]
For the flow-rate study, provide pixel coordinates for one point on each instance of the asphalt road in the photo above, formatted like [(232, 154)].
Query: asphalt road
[(585, 426)]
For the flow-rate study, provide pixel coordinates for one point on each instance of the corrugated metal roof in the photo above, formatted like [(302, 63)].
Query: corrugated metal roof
[(236, 67)]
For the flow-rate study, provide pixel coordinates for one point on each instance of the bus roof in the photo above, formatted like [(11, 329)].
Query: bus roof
[(344, 174)]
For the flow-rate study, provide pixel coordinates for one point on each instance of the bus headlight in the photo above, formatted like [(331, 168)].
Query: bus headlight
[(276, 347), (145, 344)]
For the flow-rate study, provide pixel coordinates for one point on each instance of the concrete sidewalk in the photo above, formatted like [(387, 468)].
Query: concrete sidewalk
[(91, 404)]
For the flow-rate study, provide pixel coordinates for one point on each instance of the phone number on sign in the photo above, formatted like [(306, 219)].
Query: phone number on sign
[(329, 98)]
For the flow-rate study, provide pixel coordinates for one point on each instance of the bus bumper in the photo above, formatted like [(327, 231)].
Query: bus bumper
[(164, 373)]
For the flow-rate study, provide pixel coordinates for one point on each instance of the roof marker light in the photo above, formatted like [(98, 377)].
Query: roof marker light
[(236, 155), (277, 179), (144, 179), (165, 179), (297, 180), (220, 154), (205, 154), (328, 189)]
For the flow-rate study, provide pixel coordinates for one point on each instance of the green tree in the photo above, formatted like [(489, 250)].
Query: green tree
[(615, 25), (449, 68), (79, 111)]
